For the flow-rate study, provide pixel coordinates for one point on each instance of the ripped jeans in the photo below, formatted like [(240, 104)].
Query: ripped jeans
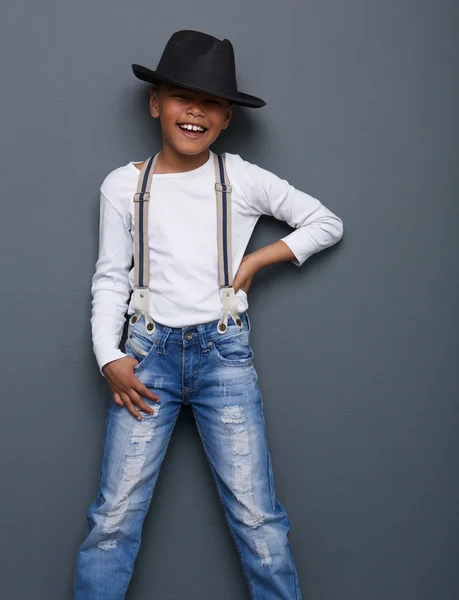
[(214, 373)]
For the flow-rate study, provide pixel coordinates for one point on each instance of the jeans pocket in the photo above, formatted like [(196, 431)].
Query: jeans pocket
[(234, 350), (140, 346)]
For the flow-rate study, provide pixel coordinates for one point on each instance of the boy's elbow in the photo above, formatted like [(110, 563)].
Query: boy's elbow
[(332, 225), (335, 228), (339, 229)]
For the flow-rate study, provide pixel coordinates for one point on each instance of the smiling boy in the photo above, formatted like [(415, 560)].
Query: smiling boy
[(187, 227)]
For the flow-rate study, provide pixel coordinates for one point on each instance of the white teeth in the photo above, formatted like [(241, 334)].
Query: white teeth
[(192, 127)]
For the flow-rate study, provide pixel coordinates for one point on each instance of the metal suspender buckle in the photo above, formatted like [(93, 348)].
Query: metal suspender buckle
[(229, 304), (141, 196), (223, 187)]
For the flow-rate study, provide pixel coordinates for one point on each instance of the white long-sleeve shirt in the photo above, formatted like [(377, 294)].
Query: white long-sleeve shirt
[(183, 242)]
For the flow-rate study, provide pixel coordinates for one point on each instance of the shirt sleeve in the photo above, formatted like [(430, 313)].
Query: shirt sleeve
[(110, 287), (316, 227)]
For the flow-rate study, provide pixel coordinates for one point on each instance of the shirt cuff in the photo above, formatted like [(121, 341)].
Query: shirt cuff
[(301, 244), (106, 354)]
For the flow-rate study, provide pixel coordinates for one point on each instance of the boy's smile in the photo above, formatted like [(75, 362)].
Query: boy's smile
[(192, 130), (190, 122)]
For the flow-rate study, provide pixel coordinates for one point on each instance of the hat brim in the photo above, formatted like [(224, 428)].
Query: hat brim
[(146, 74)]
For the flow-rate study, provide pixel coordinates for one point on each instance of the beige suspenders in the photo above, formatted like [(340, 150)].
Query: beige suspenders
[(141, 293)]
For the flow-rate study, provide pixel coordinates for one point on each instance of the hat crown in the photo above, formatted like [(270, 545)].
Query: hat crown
[(199, 59)]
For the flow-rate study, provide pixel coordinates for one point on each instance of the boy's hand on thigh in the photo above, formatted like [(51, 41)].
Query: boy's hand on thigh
[(126, 387)]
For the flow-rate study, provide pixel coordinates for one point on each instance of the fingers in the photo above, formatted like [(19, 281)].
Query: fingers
[(127, 390), (138, 401), (133, 401), (130, 403), (142, 389), (117, 399), (130, 406)]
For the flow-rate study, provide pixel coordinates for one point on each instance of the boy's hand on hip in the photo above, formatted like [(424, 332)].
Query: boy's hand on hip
[(246, 272), (126, 387)]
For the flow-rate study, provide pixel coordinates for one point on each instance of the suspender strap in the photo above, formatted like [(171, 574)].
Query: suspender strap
[(141, 300), (141, 291), (225, 258)]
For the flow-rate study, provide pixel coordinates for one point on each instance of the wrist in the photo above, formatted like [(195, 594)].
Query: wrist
[(254, 261)]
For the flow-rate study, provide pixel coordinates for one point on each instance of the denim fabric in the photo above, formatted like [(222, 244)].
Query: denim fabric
[(215, 374)]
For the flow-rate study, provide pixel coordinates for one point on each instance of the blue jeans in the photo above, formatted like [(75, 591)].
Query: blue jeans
[(215, 374)]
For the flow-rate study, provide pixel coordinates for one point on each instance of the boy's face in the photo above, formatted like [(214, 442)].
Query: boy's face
[(175, 105)]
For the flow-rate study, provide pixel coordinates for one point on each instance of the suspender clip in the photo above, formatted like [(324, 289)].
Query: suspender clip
[(141, 304), (229, 304), (223, 187), (141, 196)]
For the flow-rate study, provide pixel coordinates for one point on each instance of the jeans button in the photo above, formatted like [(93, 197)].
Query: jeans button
[(188, 335)]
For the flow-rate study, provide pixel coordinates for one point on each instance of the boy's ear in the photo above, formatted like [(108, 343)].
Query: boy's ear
[(154, 102), (228, 115)]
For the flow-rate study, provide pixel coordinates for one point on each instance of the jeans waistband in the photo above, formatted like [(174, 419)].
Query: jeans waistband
[(199, 333)]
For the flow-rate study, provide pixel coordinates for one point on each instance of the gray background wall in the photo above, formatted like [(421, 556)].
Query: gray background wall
[(356, 350)]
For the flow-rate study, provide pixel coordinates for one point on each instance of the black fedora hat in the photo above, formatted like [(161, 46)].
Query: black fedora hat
[(199, 61)]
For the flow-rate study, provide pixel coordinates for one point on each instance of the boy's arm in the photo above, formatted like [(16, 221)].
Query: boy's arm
[(276, 252), (316, 227), (110, 287)]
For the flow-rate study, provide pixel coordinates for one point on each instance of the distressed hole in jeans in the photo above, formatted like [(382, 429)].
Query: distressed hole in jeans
[(263, 552), (241, 441), (107, 544), (142, 433), (252, 516), (232, 414), (242, 476)]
